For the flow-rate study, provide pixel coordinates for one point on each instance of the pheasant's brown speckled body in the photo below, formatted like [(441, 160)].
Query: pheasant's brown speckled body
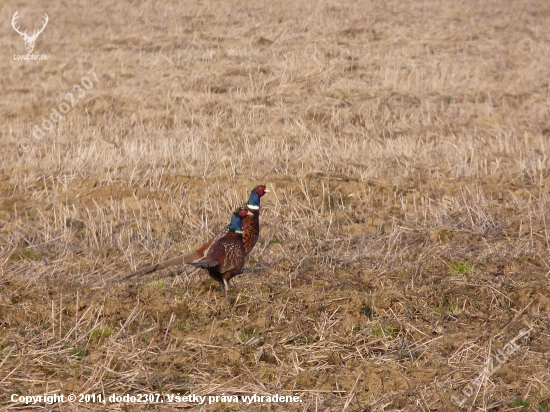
[(224, 258), (229, 254)]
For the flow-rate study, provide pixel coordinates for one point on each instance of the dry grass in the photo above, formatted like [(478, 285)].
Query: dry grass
[(405, 241)]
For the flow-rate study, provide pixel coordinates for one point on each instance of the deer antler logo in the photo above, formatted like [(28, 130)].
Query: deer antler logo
[(29, 40)]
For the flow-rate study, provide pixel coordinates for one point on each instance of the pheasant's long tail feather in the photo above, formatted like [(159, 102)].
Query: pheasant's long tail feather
[(177, 261), (191, 257)]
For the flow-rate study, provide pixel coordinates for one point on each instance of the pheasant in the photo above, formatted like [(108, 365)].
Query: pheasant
[(251, 224), (224, 259), (250, 228)]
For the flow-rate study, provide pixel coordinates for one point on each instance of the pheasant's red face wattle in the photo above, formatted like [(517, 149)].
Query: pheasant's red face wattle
[(261, 190)]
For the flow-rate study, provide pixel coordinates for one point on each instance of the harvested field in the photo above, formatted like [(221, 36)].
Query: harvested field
[(404, 258)]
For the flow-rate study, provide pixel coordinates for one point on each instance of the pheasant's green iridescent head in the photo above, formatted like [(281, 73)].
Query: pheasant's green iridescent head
[(255, 195), (236, 224)]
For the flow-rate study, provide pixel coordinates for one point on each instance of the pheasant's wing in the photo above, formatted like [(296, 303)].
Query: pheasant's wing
[(214, 258), (234, 253), (204, 250), (227, 251), (208, 263)]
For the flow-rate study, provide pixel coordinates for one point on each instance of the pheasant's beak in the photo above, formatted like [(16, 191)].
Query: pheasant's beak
[(249, 213), (266, 190)]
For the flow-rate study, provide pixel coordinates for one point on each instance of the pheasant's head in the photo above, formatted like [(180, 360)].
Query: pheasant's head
[(236, 224), (255, 195)]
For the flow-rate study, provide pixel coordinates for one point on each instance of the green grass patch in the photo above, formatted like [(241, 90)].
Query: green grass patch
[(247, 334), (242, 299), (47, 371), (24, 254), (380, 331), (460, 268), (79, 352), (101, 332), (2, 347), (298, 341), (158, 284), (109, 376), (185, 325), (520, 402), (268, 372), (447, 308)]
